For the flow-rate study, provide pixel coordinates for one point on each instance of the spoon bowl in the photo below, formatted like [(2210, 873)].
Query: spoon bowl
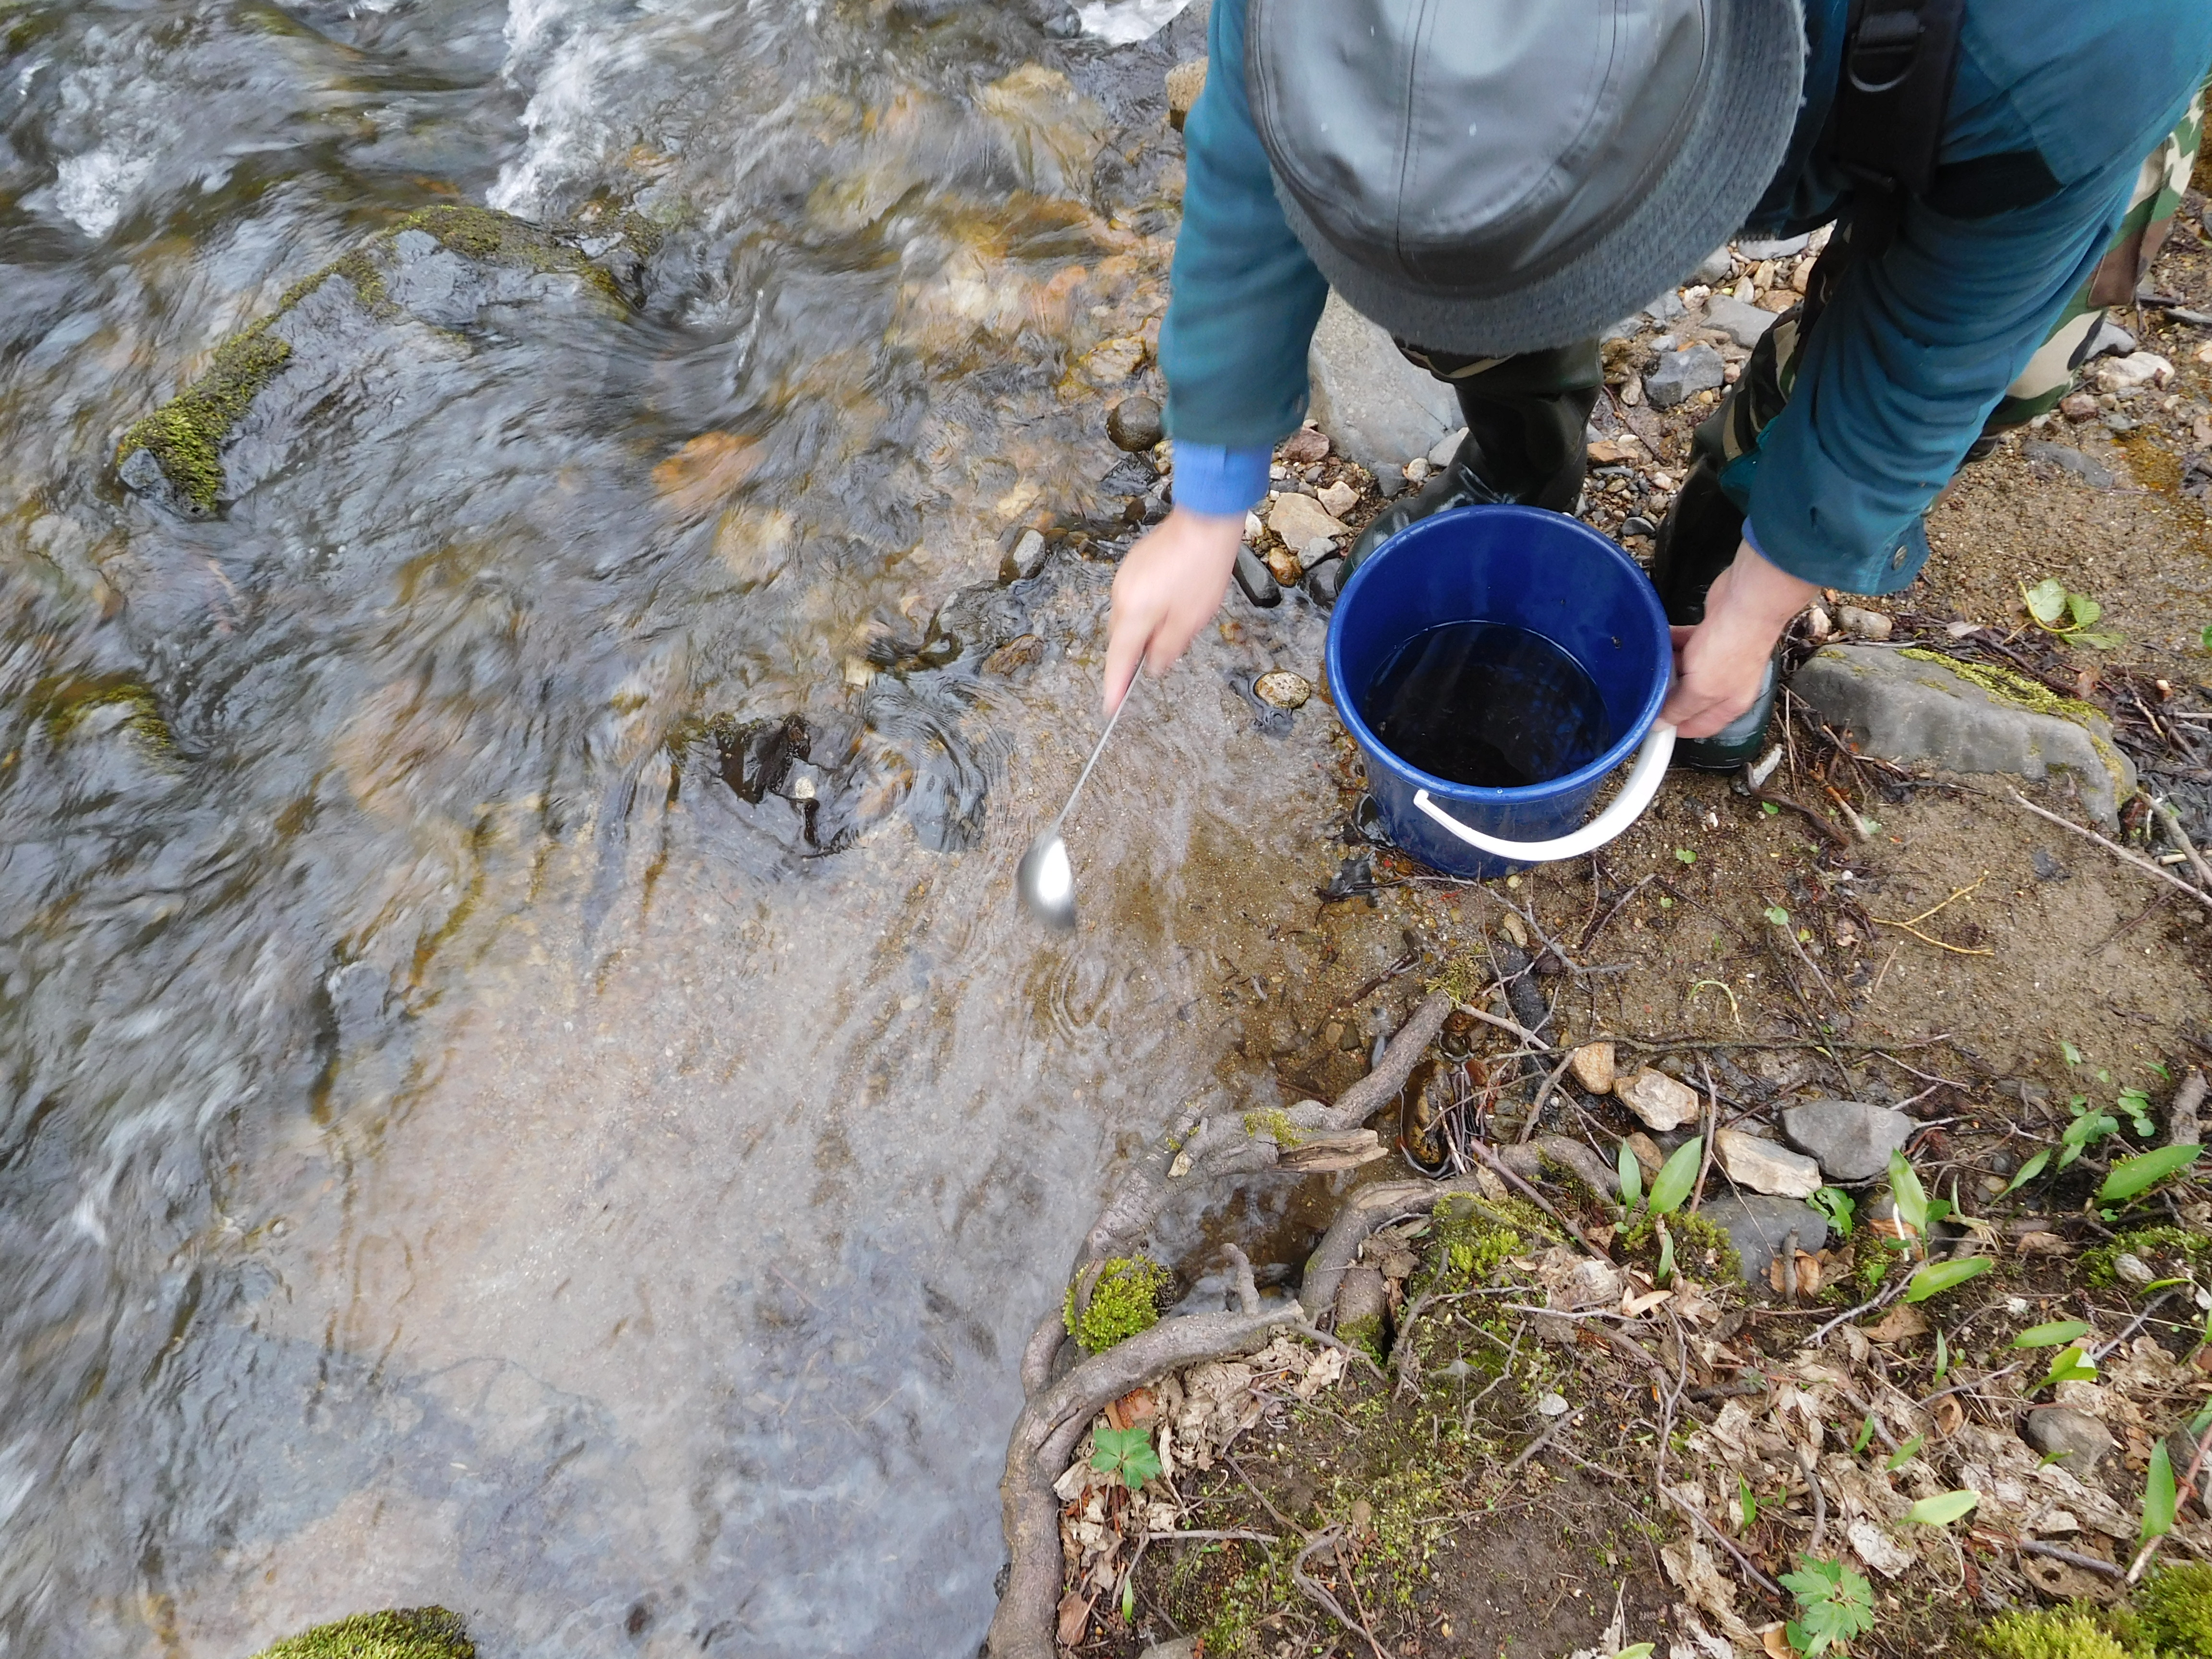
[(1044, 879), (1047, 881)]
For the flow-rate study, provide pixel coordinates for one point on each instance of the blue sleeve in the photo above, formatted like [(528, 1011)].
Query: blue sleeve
[(1916, 347), (1224, 482), (1895, 379), (1243, 296)]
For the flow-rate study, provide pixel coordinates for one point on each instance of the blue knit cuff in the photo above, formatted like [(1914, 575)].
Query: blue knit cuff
[(1221, 482)]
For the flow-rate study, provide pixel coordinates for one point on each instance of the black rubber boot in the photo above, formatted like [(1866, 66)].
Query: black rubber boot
[(1697, 540), (1526, 417)]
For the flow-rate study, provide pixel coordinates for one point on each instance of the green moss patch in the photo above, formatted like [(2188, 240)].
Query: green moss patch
[(2175, 1609), (2003, 684), (2052, 1634), (186, 434), (1125, 1299), (404, 1633), (1274, 1125), (2163, 1249)]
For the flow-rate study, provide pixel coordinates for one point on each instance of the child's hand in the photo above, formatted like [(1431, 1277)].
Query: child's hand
[(1169, 585), (1723, 658)]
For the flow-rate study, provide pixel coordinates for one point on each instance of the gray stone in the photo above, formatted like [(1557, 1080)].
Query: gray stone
[(1759, 1227), (1682, 374), (1441, 452), (1183, 1647), (1906, 707), (1780, 248), (1389, 481), (1741, 323), (2073, 1439), (1861, 624), (1666, 307), (1752, 1161), (1323, 580), (1028, 554), (2066, 459), (1376, 407), (1716, 267), (1851, 1139)]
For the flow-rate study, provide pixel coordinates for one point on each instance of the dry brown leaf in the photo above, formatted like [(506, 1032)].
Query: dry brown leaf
[(1808, 1275), (1949, 1414), (1778, 1276), (1138, 1405), (1777, 1643), (1074, 1618), (1900, 1322), (705, 470), (1636, 1307)]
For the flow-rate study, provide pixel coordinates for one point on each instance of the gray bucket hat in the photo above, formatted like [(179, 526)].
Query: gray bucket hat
[(1495, 176)]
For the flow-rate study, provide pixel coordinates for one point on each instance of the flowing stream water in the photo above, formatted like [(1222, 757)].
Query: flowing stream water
[(453, 1146)]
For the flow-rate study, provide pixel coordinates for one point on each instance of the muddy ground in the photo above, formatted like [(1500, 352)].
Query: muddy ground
[(2053, 972)]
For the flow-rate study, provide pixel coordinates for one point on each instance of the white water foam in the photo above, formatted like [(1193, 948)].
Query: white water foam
[(1124, 22), (93, 190)]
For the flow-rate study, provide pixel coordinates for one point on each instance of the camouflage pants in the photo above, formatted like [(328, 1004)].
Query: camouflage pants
[(1763, 387)]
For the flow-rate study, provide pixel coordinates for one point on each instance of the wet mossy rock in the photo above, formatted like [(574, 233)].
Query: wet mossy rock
[(1121, 1298), (402, 1633), (439, 266), (1920, 706)]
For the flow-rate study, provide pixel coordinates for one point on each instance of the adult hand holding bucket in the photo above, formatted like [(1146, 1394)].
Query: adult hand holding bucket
[(1545, 574)]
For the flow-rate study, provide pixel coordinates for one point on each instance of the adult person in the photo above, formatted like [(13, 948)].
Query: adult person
[(1495, 182)]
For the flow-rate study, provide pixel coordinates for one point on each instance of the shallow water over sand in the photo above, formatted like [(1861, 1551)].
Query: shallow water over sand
[(453, 1148)]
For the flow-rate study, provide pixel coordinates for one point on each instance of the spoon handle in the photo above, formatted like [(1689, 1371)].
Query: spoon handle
[(1101, 749)]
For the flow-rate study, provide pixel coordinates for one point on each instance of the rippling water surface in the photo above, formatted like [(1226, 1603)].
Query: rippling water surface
[(453, 1146)]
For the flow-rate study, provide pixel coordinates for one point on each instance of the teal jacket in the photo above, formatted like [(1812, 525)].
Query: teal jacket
[(1910, 357)]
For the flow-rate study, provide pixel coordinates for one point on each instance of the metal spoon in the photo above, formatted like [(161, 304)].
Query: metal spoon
[(1044, 879)]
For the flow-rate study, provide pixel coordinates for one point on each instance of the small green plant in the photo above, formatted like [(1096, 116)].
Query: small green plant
[(2090, 1126), (1127, 1453), (1670, 1187), (1777, 915), (2050, 1335), (1631, 1176), (2069, 616), (1125, 1299), (1684, 855), (2072, 1366), (1839, 1206), (1747, 1503), (2159, 1495), (1943, 1508), (1934, 1277), (1770, 809), (2132, 1176), (1834, 1604), (2136, 1103), (2204, 636), (1905, 1454)]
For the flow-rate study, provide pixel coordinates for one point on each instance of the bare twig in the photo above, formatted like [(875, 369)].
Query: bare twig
[(1492, 1160), (1727, 1544), (1881, 1301), (1712, 1122), (1542, 1441), (2117, 851), (1225, 1535), (2072, 1558), (1599, 926), (2170, 822)]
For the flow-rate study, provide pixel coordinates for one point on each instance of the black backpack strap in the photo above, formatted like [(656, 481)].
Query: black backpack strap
[(1900, 58)]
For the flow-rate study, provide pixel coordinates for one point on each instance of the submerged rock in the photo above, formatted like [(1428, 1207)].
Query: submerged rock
[(1133, 423), (757, 756), (1282, 689), (440, 269)]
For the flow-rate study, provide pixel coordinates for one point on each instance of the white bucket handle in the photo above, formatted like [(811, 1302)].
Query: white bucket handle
[(1644, 781)]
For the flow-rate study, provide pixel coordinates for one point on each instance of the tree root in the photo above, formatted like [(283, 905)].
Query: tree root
[(1206, 1148), (1045, 1436)]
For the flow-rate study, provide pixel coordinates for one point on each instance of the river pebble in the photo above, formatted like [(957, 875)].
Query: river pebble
[(1282, 689), (1134, 424)]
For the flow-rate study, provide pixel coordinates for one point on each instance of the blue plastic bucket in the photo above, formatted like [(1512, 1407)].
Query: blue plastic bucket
[(1553, 575)]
